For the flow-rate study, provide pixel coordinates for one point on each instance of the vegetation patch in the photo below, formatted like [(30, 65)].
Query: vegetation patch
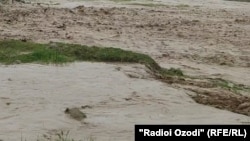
[(172, 72), (182, 6), (230, 85), (12, 51), (15, 51)]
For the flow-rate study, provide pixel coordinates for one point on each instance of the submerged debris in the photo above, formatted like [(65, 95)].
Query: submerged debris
[(75, 113)]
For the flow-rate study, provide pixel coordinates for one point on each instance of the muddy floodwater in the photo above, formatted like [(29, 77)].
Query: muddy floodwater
[(206, 39)]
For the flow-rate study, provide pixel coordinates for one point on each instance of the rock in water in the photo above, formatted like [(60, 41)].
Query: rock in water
[(75, 113)]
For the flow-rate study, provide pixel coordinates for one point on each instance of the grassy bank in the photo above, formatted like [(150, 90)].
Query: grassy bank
[(15, 51)]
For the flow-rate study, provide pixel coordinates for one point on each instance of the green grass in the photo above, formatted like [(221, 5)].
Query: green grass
[(98, 54), (14, 51), (171, 72)]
